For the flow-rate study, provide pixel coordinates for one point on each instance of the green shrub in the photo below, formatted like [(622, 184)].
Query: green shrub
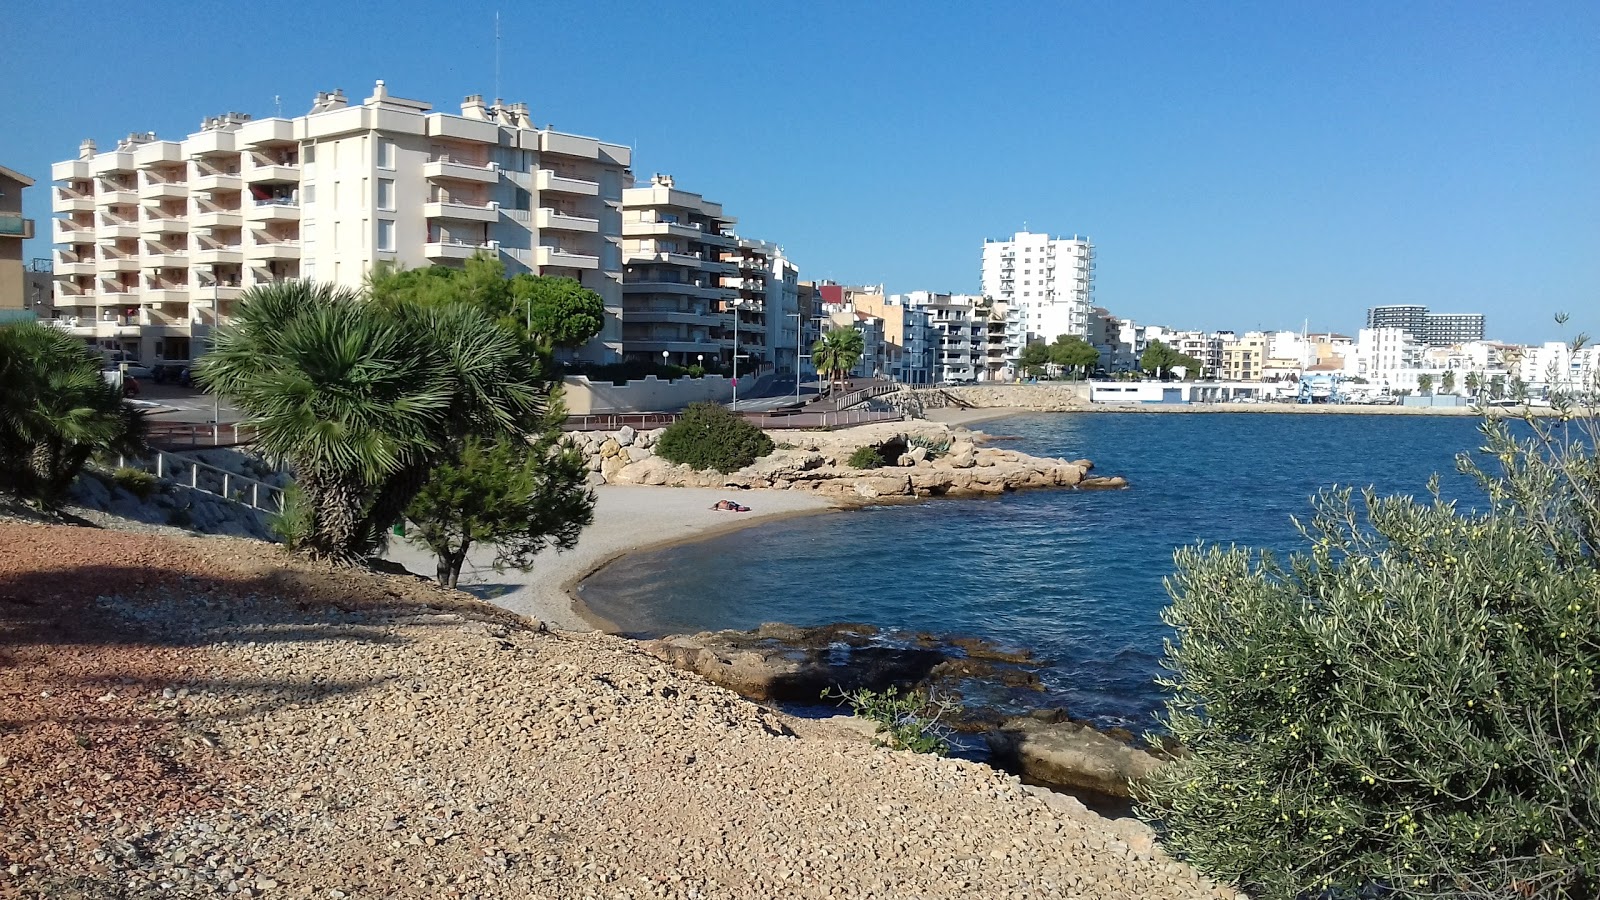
[(292, 522), (708, 436), (1407, 707), (935, 448), (137, 482), (906, 721), (866, 457)]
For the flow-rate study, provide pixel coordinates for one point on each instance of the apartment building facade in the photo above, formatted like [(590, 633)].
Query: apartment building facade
[(1046, 284), (14, 229), (1245, 358), (957, 333), (158, 239), (1434, 329), (676, 284)]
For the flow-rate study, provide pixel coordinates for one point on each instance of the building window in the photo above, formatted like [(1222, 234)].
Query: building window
[(385, 154), (386, 235), (308, 153), (308, 193), (386, 194)]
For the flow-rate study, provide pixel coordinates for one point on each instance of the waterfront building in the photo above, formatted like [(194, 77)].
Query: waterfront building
[(785, 327), (14, 229), (159, 238), (677, 298), (1386, 357), (745, 329), (1245, 358), (1554, 366), (847, 306), (1435, 329), (1046, 284), (1201, 345), (958, 332)]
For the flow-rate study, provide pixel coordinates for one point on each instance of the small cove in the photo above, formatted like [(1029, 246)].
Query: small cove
[(1075, 576)]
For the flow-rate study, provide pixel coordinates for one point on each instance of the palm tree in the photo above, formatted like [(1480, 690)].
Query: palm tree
[(364, 399), (1424, 384), (1474, 383), (1447, 384), (56, 411), (838, 351)]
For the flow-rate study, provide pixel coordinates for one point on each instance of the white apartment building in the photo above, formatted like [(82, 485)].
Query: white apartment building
[(676, 284), (785, 330), (1388, 358), (1553, 366), (160, 238), (1046, 284)]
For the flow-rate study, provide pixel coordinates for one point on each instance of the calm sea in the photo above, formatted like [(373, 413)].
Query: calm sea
[(1075, 576)]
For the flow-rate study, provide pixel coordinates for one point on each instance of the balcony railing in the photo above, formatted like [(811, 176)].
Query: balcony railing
[(15, 226)]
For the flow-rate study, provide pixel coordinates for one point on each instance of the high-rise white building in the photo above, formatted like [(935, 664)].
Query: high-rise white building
[(158, 239), (1046, 284)]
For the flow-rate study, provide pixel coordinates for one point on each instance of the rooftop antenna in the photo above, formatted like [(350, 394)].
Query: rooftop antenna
[(277, 101), (497, 53)]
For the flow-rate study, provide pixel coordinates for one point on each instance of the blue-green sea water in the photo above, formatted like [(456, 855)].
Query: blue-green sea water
[(1075, 576)]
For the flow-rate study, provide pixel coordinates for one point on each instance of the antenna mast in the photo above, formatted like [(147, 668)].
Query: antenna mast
[(497, 53)]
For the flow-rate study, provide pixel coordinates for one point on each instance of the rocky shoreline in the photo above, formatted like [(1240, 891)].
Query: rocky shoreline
[(930, 459), (785, 663)]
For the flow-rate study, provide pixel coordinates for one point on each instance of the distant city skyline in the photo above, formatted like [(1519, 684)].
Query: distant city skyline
[(1235, 168)]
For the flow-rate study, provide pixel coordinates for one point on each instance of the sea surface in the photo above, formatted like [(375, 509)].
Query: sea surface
[(1075, 576)]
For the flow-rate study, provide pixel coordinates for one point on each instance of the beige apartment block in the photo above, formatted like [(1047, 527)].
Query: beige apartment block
[(676, 284), (14, 229), (159, 239), (1245, 359)]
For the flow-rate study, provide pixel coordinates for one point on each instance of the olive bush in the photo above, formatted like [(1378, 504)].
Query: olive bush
[(1408, 706), (708, 436)]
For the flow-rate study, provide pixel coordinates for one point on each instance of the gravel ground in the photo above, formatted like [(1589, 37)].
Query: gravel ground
[(195, 717)]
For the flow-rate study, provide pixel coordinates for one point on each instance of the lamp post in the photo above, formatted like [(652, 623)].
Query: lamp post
[(735, 356)]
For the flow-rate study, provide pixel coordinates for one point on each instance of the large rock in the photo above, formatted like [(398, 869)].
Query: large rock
[(784, 464), (1066, 754), (635, 453), (1103, 483), (625, 436), (611, 465), (609, 448), (649, 470), (781, 662)]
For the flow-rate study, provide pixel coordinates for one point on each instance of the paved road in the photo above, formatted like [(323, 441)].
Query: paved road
[(180, 404)]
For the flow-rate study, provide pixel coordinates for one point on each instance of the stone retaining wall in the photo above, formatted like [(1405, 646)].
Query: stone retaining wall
[(1057, 396)]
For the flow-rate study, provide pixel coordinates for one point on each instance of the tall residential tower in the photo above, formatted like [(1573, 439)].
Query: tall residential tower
[(1045, 283)]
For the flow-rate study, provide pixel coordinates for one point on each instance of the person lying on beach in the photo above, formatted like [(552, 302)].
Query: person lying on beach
[(730, 506)]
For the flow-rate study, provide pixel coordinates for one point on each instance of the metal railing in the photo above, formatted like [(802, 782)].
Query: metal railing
[(615, 421), (772, 420), (180, 435), (209, 479)]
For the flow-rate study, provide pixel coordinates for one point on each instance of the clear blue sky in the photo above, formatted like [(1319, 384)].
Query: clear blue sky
[(1237, 165)]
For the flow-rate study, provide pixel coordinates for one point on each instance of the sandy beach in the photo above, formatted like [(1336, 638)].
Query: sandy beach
[(627, 518)]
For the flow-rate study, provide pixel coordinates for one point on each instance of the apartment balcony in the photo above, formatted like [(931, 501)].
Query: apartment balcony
[(637, 257), (164, 295), (73, 325), (107, 264), (74, 267), (719, 267), (272, 250), (454, 250), (662, 230), (272, 211), (121, 326), (656, 345), (162, 323), (672, 287), (218, 256), (69, 170), (211, 183), (674, 317), (449, 170), (116, 197), (111, 231), (217, 218), (551, 220), (178, 260), (259, 174), (562, 184), (13, 225), (164, 190), (461, 212), (164, 225), (68, 200), (567, 259), (70, 232)]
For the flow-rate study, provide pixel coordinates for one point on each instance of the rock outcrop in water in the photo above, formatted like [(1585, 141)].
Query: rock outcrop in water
[(922, 459), (778, 662)]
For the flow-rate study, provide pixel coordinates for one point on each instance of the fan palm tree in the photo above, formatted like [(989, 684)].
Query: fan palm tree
[(362, 400), (838, 351), (56, 411)]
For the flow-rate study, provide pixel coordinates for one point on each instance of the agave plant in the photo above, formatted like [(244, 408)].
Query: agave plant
[(56, 411), (362, 400)]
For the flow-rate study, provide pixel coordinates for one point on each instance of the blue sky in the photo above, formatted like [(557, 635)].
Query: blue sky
[(1237, 165)]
